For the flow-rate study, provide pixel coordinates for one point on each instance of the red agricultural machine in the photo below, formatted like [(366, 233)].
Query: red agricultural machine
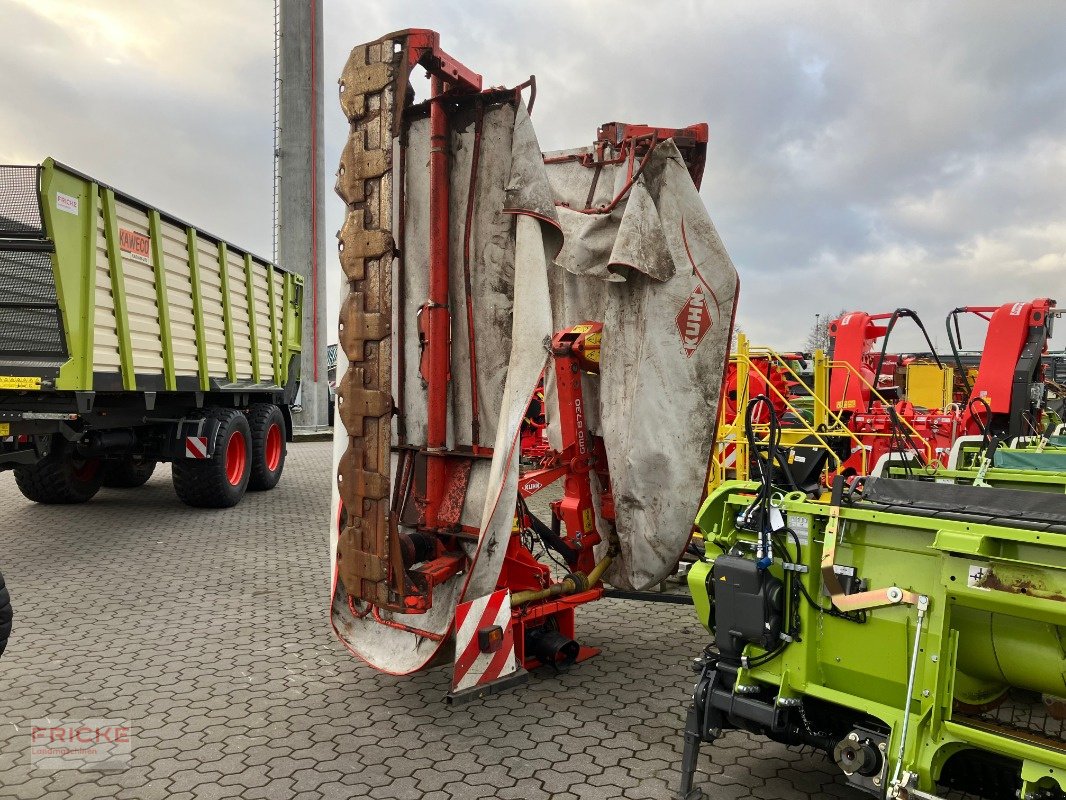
[(863, 405), (469, 288), (1005, 400)]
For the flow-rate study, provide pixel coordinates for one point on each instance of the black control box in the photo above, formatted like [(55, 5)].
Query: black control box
[(747, 605)]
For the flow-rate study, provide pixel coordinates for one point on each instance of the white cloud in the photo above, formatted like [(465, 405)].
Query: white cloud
[(862, 155), (171, 102)]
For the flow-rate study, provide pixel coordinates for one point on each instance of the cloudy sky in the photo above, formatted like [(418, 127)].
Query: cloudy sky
[(862, 155)]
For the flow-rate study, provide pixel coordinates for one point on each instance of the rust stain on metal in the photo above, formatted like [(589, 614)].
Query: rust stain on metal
[(1020, 586), (1015, 733)]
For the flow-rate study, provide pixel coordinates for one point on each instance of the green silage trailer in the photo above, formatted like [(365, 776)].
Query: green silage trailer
[(129, 337)]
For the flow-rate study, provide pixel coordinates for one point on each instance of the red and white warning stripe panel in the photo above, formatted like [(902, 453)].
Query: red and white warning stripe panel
[(484, 641), (196, 447), (728, 449)]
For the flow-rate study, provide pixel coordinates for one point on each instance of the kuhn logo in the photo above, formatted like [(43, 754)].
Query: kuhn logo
[(693, 321), (531, 486)]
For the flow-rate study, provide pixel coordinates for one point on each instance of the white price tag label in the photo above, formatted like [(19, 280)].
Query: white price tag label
[(777, 519), (64, 202)]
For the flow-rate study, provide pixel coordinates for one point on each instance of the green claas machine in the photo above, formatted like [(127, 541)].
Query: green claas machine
[(127, 338), (1033, 463), (913, 630)]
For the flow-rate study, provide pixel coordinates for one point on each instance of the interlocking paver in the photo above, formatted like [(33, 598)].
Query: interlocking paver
[(208, 630)]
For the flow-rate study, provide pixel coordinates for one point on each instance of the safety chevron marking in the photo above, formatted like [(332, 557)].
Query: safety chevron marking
[(728, 450), (472, 666), (196, 447)]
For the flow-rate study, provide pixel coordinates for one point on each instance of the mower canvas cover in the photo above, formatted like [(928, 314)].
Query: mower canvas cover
[(531, 250)]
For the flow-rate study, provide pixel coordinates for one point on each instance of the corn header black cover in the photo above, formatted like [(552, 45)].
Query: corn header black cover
[(1013, 508)]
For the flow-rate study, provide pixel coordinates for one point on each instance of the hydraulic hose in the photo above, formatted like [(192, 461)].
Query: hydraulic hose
[(899, 312), (954, 340)]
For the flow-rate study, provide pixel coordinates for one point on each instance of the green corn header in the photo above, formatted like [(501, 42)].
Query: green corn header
[(911, 629)]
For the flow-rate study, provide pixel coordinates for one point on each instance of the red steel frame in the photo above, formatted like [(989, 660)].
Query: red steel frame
[(430, 489), (437, 316), (1016, 337), (445, 72), (576, 351), (438, 509)]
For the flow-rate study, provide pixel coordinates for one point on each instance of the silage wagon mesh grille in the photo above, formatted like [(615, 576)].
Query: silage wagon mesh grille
[(26, 330), (26, 277), (30, 323), (20, 205)]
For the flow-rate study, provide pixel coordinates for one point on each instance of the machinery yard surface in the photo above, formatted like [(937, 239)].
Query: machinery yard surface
[(209, 633)]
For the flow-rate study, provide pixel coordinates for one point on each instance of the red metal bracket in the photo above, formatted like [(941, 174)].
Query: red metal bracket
[(621, 142), (423, 49), (691, 141), (575, 350), (559, 612)]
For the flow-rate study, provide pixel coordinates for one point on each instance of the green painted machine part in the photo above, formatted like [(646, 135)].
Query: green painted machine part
[(1031, 480), (108, 293), (129, 337), (922, 645), (1031, 464)]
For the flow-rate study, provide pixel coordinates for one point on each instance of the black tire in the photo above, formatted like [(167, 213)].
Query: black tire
[(268, 446), (61, 477), (207, 483), (128, 473), (5, 615)]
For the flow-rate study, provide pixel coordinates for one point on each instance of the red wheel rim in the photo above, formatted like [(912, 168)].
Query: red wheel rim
[(273, 447), (86, 471), (236, 458)]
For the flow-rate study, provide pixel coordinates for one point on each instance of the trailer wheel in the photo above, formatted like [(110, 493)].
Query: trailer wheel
[(129, 473), (220, 481), (5, 615), (268, 446), (61, 477)]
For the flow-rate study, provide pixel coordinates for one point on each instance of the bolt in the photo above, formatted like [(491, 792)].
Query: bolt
[(877, 781), (935, 659), (925, 692), (881, 746)]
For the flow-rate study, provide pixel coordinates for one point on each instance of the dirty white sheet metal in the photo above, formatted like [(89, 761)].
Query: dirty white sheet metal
[(656, 273), (512, 241)]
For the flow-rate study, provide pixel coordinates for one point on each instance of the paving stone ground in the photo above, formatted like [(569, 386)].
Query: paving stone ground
[(209, 631)]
